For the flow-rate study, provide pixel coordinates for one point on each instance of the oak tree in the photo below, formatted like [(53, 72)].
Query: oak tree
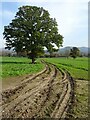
[(31, 30)]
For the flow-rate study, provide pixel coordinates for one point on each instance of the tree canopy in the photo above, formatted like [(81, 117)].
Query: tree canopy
[(74, 52), (31, 31)]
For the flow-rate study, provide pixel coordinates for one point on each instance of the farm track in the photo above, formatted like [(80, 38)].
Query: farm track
[(48, 94)]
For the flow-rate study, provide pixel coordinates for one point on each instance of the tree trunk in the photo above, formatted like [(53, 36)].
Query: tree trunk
[(33, 61)]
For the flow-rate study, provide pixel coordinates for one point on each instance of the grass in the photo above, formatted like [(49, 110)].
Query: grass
[(16, 66), (77, 67)]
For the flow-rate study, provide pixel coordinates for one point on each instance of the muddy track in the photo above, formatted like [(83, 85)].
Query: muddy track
[(48, 94)]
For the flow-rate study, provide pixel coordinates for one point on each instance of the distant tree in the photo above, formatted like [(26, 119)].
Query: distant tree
[(74, 52), (31, 31)]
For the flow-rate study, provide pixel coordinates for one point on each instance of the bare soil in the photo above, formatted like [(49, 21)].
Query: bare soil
[(48, 94)]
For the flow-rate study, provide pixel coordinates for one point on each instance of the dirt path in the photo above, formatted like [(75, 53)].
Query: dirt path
[(46, 94)]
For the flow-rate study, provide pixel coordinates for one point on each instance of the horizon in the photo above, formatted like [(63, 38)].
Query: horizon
[(59, 47), (71, 17)]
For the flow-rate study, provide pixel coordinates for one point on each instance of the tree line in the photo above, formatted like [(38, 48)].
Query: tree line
[(73, 52)]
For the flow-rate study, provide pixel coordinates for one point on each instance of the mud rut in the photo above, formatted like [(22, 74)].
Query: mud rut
[(48, 94)]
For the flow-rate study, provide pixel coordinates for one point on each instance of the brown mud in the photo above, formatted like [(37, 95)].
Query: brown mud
[(48, 94)]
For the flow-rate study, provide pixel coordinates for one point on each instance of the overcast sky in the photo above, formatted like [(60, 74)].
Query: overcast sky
[(71, 16)]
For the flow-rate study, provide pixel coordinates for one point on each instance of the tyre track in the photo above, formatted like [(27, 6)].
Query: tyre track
[(13, 92), (10, 92), (47, 94), (34, 90)]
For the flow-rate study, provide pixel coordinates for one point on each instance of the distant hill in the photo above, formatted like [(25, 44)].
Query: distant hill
[(84, 50), (62, 50)]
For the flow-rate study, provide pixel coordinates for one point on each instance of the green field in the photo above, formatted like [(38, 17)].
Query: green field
[(78, 67), (15, 66)]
